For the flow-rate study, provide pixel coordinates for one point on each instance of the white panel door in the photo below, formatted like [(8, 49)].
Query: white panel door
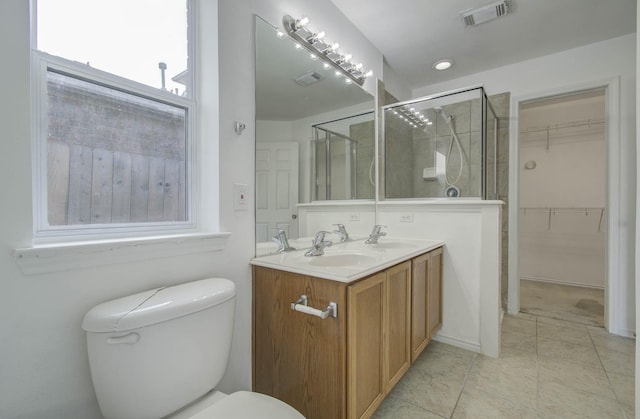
[(276, 189)]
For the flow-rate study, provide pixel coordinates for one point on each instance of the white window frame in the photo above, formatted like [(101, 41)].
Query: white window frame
[(40, 63)]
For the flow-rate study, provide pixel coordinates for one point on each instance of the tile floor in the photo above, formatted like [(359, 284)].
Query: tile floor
[(547, 369), (563, 302)]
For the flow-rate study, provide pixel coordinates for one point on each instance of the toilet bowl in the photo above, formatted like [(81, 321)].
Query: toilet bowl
[(162, 352)]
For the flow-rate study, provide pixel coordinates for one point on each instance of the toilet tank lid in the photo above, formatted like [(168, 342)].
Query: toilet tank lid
[(157, 305)]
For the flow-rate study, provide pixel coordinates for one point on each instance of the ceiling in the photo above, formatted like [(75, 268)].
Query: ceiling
[(413, 34)]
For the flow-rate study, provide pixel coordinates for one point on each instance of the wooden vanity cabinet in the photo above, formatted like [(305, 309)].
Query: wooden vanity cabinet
[(420, 333), (378, 347), (397, 308), (434, 296), (337, 367), (365, 359), (298, 358), (426, 300)]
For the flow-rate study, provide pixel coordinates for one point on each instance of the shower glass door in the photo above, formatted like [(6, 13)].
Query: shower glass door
[(343, 156)]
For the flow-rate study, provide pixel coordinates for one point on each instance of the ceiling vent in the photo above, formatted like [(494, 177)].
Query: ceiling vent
[(308, 78), (486, 13)]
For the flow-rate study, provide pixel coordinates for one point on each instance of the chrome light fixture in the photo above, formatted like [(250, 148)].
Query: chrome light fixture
[(320, 48), (411, 116)]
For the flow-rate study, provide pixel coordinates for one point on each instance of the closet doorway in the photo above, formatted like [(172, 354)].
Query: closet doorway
[(562, 216)]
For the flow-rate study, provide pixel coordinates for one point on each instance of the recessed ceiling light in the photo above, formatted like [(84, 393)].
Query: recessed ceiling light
[(443, 64)]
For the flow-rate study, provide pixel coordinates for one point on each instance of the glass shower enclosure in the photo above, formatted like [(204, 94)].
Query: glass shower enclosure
[(440, 146), (343, 156)]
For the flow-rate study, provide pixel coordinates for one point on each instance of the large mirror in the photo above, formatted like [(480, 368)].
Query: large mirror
[(314, 135)]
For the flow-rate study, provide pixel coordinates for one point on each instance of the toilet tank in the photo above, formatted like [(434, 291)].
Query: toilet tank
[(154, 352)]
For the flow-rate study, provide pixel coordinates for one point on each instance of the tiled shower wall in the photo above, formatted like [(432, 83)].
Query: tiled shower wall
[(409, 151), (364, 134), (500, 104)]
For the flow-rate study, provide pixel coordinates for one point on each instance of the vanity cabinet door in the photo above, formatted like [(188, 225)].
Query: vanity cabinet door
[(420, 331), (365, 347), (299, 358), (397, 323), (434, 304)]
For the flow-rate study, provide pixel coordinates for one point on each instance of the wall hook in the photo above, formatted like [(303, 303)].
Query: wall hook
[(238, 127)]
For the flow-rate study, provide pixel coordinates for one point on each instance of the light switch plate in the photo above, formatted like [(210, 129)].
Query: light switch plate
[(240, 197)]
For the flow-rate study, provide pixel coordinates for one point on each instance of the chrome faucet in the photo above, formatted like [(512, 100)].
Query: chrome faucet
[(318, 244), (342, 232), (281, 240), (375, 234)]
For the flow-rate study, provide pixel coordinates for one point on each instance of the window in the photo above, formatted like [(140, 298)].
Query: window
[(113, 117)]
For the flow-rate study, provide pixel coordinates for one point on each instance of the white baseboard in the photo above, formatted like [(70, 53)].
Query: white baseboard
[(459, 343), (627, 333)]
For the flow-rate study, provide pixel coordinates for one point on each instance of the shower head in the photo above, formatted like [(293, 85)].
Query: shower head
[(447, 118)]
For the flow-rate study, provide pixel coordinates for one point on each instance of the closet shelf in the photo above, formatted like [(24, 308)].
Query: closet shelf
[(563, 209)]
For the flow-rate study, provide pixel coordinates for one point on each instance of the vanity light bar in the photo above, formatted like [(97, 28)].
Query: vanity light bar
[(317, 44), (411, 116)]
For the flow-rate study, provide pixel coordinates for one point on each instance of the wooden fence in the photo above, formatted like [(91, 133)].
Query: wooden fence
[(99, 186)]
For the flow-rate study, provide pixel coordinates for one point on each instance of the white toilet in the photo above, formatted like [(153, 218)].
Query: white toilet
[(161, 353)]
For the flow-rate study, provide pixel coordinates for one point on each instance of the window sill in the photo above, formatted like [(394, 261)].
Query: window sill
[(69, 256)]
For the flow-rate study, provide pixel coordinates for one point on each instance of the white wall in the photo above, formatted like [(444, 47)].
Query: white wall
[(43, 361), (275, 131), (572, 69), (358, 217), (395, 85)]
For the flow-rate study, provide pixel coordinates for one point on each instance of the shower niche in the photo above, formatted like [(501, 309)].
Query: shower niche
[(440, 146)]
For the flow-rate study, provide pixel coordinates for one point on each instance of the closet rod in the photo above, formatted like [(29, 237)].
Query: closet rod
[(550, 211), (572, 124)]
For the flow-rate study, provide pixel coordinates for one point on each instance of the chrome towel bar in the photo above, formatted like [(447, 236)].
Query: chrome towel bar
[(301, 306)]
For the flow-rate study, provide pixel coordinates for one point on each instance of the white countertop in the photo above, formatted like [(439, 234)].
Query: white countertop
[(349, 261)]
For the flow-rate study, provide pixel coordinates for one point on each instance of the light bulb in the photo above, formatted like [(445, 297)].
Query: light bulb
[(368, 73), (335, 46), (303, 21), (442, 64), (347, 57), (313, 56), (326, 65), (320, 35), (298, 46), (358, 66)]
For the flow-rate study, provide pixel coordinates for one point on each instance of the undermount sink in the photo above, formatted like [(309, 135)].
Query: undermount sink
[(345, 259), (392, 245)]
